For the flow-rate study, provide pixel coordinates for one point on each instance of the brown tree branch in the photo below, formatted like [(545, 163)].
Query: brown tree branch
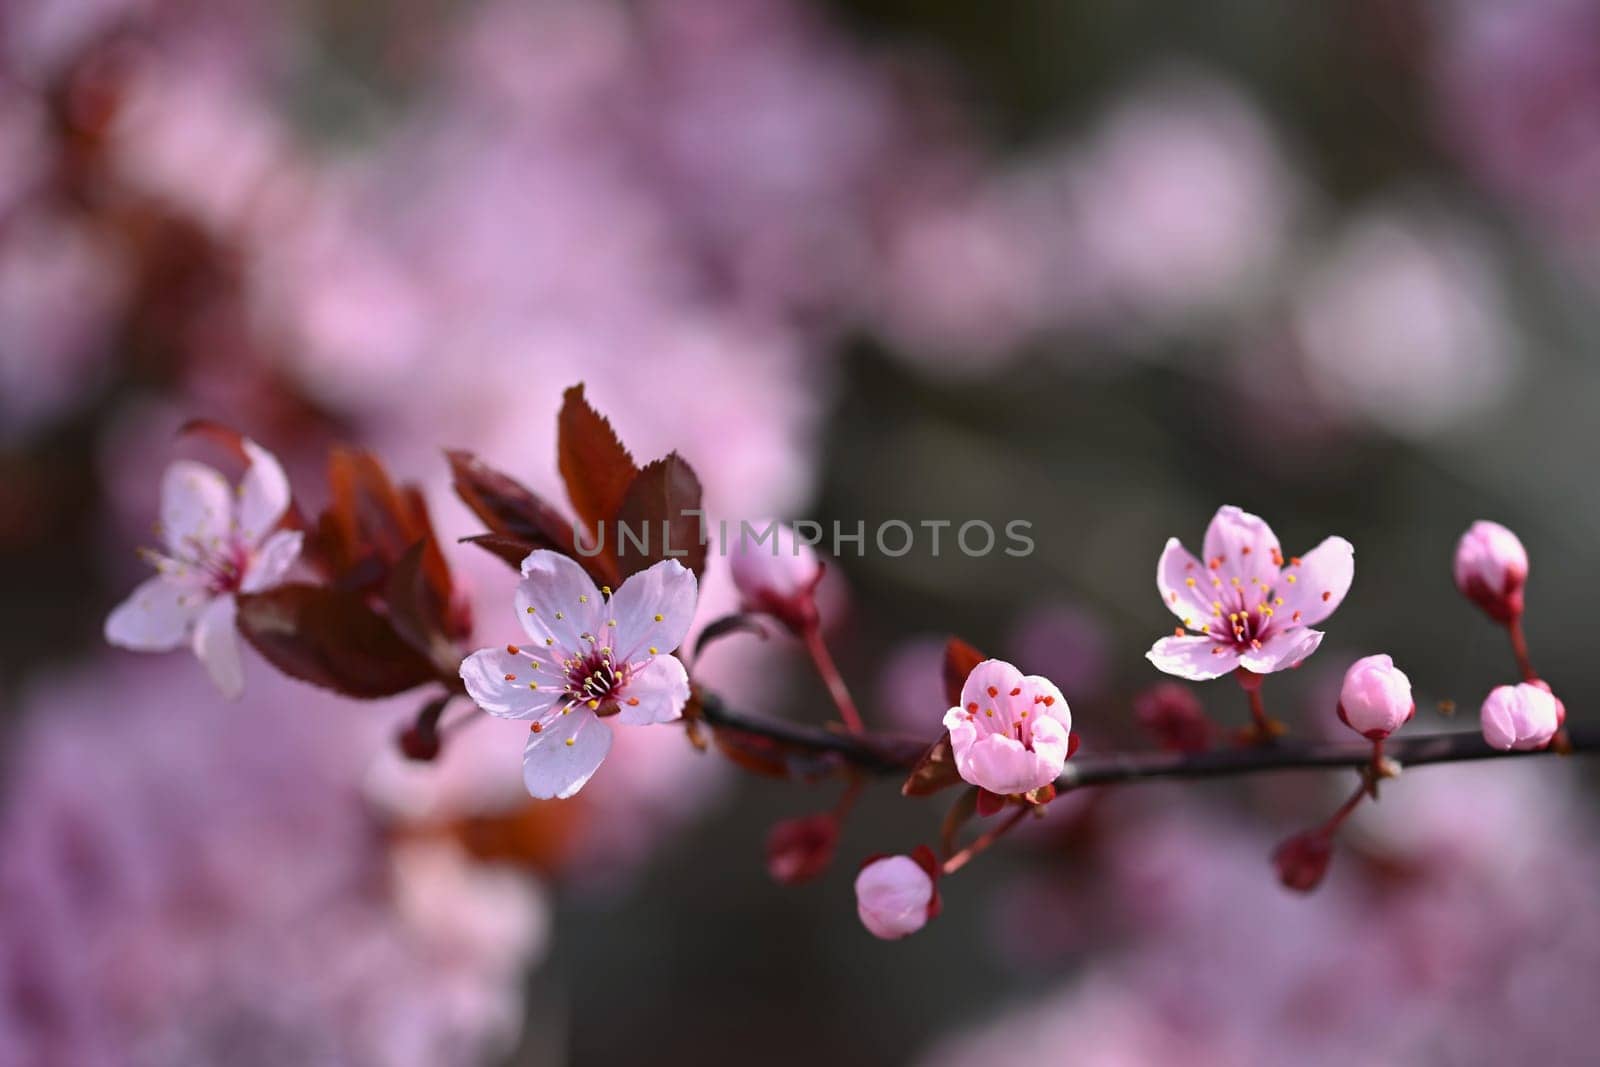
[(888, 754)]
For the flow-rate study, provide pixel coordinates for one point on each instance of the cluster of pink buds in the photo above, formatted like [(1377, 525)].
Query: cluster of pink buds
[(1491, 570)]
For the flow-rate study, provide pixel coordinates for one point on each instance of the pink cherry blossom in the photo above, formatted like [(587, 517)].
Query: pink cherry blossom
[(895, 897), (215, 547), (1246, 605), (1524, 716), (776, 572), (1375, 700), (1012, 733), (1491, 568), (591, 655)]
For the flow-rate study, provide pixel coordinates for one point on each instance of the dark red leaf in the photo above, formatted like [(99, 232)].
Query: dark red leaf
[(959, 660), (661, 512), (227, 438), (737, 623), (509, 549), (330, 637), (507, 507), (800, 850), (936, 770), (593, 463), (417, 613), (989, 803)]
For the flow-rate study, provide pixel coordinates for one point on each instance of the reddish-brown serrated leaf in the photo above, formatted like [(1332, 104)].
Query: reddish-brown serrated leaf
[(506, 506), (417, 613), (961, 811), (936, 770), (660, 519), (801, 850), (509, 549), (593, 463), (959, 660), (330, 637)]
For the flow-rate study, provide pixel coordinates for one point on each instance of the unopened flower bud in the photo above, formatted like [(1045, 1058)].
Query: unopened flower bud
[(776, 572), (896, 895), (799, 850), (1302, 860), (1172, 715), (1491, 568), (1375, 700), (1524, 716)]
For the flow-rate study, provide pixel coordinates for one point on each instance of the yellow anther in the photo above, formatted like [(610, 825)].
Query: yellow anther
[(660, 618), (1189, 582), (1292, 579), (593, 704), (583, 598), (606, 589), (571, 741), (533, 685), (654, 650)]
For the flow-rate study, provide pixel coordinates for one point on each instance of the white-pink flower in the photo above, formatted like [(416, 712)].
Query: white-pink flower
[(895, 897), (591, 655), (1524, 716), (215, 547), (1246, 605), (1012, 732)]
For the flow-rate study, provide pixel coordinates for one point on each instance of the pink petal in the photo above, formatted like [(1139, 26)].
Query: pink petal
[(1194, 658), (196, 507), (1003, 765), (272, 561), (1055, 707), (1247, 548), (216, 643), (1177, 567), (156, 617), (1282, 650), (502, 683), (661, 689), (566, 605), (994, 674), (1321, 581), (263, 493), (667, 589), (559, 759)]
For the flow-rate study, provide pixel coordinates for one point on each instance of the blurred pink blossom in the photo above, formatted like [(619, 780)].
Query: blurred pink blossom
[(186, 883)]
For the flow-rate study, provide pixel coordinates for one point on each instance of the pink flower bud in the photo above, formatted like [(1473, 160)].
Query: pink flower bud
[(896, 895), (776, 573), (1376, 698), (1302, 860), (799, 850), (1172, 715), (1491, 568), (1524, 716)]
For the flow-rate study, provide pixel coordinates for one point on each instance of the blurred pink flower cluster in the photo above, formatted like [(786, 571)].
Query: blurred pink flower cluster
[(187, 883), (1467, 933)]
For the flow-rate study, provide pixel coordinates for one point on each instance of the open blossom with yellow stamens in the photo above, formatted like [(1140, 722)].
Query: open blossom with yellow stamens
[(1245, 605), (216, 542), (590, 655)]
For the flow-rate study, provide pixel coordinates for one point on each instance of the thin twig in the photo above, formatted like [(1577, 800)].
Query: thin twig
[(888, 754)]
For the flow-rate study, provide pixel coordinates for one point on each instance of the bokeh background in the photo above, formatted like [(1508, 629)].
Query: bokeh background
[(1098, 265)]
